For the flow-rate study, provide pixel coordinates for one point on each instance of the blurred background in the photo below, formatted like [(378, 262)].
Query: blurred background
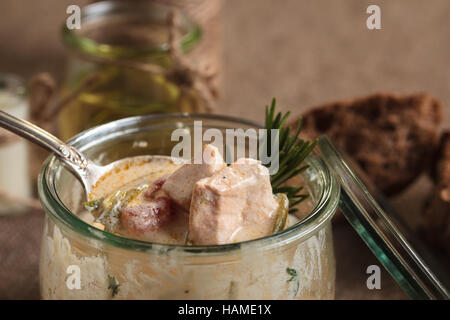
[(302, 52)]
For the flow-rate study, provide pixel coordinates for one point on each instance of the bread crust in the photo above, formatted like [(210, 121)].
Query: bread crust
[(435, 223), (391, 137)]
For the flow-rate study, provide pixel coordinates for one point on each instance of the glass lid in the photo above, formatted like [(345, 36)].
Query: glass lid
[(396, 247)]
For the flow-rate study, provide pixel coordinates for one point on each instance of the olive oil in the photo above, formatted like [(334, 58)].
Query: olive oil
[(118, 94)]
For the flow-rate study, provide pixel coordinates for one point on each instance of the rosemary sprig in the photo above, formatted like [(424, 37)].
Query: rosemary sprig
[(292, 153)]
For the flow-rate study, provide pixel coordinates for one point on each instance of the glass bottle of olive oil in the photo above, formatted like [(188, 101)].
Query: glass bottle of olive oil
[(107, 73)]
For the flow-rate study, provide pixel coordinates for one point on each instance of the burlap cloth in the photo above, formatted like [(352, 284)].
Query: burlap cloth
[(304, 53), (20, 238)]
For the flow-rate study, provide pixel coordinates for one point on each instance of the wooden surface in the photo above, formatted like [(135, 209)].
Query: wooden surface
[(302, 52)]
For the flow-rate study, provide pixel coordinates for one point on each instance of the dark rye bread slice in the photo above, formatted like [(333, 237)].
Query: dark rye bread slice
[(392, 137), (436, 218)]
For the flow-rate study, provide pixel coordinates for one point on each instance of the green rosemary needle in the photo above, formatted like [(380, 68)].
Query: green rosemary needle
[(292, 153)]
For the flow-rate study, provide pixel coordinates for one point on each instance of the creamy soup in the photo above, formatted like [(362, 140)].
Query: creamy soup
[(165, 200), (129, 186)]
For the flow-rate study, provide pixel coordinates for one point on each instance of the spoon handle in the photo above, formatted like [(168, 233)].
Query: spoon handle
[(33, 133)]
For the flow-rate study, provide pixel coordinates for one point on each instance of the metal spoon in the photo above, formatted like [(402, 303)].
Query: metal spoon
[(84, 169)]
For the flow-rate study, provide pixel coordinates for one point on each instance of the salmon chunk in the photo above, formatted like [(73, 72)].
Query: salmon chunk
[(148, 216), (235, 204), (180, 183)]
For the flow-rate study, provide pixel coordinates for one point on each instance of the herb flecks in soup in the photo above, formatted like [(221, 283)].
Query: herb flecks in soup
[(164, 200)]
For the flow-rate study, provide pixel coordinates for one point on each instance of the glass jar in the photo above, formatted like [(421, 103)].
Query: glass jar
[(112, 74), (297, 263)]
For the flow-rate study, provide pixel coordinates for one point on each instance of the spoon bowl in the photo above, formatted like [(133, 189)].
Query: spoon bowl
[(84, 169)]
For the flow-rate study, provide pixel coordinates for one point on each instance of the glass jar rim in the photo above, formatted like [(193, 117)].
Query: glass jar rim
[(321, 214), (101, 9)]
